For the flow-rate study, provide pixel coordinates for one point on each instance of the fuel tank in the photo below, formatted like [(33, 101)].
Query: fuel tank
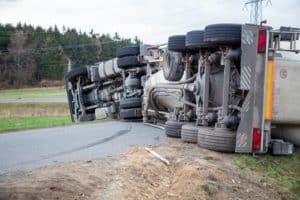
[(104, 70), (108, 69)]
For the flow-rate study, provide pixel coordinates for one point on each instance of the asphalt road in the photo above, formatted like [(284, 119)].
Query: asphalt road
[(35, 100), (26, 150)]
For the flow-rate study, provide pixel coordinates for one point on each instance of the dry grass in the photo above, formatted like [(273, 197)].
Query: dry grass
[(33, 109), (192, 174)]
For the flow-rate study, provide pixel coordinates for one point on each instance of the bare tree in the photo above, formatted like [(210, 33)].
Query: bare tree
[(21, 66)]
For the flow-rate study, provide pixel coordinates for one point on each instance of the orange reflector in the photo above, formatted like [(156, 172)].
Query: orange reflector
[(269, 90)]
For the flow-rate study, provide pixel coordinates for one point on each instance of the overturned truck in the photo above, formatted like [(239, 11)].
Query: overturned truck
[(229, 88)]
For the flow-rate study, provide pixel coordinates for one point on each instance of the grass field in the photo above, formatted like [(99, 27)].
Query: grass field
[(279, 172), (19, 123), (33, 115), (33, 93), (8, 110)]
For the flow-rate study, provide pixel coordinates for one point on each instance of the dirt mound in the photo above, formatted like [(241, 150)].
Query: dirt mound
[(194, 173)]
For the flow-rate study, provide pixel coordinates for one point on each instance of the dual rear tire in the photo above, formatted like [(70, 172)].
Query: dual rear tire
[(131, 108), (223, 34), (218, 139), (213, 36), (173, 128), (189, 133), (131, 113), (128, 57)]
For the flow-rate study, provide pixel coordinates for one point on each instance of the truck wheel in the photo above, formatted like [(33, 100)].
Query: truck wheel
[(223, 34), (177, 43), (173, 67), (189, 133), (130, 113), (218, 139), (128, 51), (69, 78), (75, 72), (194, 40), (131, 103), (87, 117), (128, 62), (173, 128), (70, 99)]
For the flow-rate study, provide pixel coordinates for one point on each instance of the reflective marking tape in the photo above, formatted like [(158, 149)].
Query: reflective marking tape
[(269, 90)]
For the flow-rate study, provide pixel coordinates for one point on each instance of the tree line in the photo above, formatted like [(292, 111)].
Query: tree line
[(30, 54)]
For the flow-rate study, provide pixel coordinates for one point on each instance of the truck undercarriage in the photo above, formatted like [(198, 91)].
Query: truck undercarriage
[(213, 87)]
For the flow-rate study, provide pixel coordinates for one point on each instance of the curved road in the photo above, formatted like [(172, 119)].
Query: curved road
[(26, 150)]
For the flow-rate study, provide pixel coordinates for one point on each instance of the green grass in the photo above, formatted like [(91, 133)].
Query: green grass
[(20, 123), (279, 172), (19, 116), (222, 168), (33, 93)]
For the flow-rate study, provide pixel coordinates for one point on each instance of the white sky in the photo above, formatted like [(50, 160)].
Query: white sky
[(152, 21)]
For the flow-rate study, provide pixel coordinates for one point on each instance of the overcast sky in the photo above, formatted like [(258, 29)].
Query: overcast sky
[(152, 21)]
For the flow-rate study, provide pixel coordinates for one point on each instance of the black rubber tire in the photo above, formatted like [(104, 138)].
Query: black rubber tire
[(130, 113), (177, 43), (69, 98), (128, 62), (75, 72), (218, 139), (87, 117), (194, 40), (223, 34), (71, 77), (173, 128), (128, 51), (189, 133), (173, 67), (131, 103)]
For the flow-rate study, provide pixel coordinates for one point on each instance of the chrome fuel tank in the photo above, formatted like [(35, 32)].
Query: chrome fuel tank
[(104, 70)]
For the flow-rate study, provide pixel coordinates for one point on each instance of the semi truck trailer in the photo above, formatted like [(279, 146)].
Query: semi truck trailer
[(228, 87)]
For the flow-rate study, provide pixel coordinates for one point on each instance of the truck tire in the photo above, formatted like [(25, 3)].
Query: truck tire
[(70, 99), (131, 103), (173, 66), (189, 133), (69, 78), (218, 139), (87, 117), (173, 128), (128, 51), (75, 72), (194, 40), (128, 62), (130, 113), (223, 34), (177, 43)]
